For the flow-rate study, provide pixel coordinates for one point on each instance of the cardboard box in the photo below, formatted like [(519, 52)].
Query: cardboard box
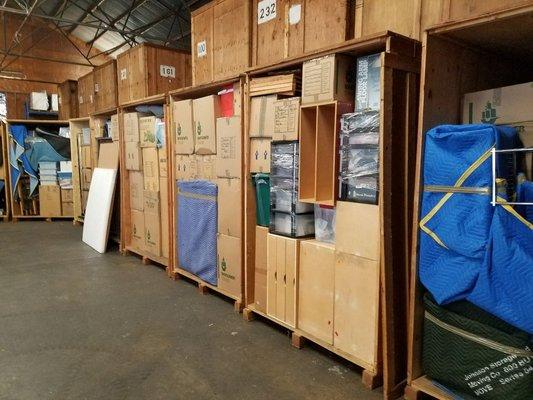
[(328, 78), (150, 169), (260, 155), (183, 127), (230, 206), (86, 176), (147, 131), (229, 148), (50, 201), (114, 134), (67, 209), (163, 165), (316, 289), (357, 229), (286, 119), (229, 260), (260, 281), (205, 167), (133, 158), (152, 222), (86, 157), (237, 100), (186, 167), (262, 116), (164, 207), (108, 155), (131, 127), (137, 229), (67, 196), (205, 112), (136, 190)]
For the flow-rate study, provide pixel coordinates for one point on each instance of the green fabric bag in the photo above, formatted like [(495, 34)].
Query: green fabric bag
[(476, 355)]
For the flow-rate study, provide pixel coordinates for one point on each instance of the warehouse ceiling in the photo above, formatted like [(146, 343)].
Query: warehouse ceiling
[(113, 26)]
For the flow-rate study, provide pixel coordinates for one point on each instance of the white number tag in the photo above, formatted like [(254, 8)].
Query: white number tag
[(123, 74), (201, 49), (266, 11), (167, 71)]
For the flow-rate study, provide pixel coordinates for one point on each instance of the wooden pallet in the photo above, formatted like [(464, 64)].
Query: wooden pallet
[(204, 287), (423, 386), (371, 379), (146, 259)]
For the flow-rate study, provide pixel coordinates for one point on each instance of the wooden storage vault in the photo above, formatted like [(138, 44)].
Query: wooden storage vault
[(23, 207), (148, 70), (86, 95), (132, 240), (68, 100), (185, 157), (384, 339), (105, 87), (4, 173), (458, 58)]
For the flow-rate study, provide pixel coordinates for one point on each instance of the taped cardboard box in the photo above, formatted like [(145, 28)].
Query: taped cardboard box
[(205, 112), (147, 131), (114, 134), (230, 206), (260, 281), (237, 100), (262, 116), (133, 156), (164, 205), (50, 201), (260, 155), (183, 126), (186, 167), (152, 222), (229, 148), (136, 190), (137, 230), (229, 258), (328, 78), (357, 229), (163, 165), (205, 167), (131, 127), (286, 119), (108, 155), (150, 169), (67, 195)]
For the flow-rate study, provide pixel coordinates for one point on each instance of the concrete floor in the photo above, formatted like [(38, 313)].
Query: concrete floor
[(75, 324)]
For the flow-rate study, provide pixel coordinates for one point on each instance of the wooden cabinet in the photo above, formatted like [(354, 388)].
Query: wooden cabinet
[(282, 277)]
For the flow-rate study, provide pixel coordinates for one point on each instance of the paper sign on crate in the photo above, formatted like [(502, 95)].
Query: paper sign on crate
[(167, 71), (202, 49), (266, 11)]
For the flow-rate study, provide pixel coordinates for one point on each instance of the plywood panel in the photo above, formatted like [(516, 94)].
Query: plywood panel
[(325, 23), (292, 252), (105, 86), (86, 95), (271, 275), (281, 269), (202, 45)]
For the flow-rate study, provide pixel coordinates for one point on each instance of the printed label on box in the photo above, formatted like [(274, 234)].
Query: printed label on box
[(123, 74), (266, 11), (167, 71), (201, 49), (227, 148)]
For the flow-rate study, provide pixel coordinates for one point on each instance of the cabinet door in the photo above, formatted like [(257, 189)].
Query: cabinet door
[(290, 280), (356, 319), (281, 277), (316, 289), (271, 275)]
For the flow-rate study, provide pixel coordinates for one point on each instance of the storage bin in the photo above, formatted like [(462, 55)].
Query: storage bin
[(284, 197), (284, 159), (262, 198), (364, 189), (475, 354), (324, 223), (293, 225)]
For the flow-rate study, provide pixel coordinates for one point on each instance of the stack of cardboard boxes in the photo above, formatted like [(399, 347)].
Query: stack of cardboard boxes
[(146, 163)]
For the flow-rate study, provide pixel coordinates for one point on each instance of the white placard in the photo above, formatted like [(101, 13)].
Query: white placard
[(295, 14), (201, 49), (167, 71), (123, 74), (96, 87), (80, 100), (266, 11)]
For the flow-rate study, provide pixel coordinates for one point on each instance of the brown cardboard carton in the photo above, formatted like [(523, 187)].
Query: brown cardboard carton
[(260, 281), (133, 156), (229, 258), (108, 154), (137, 229), (114, 134), (136, 190), (183, 127), (50, 201), (186, 167), (67, 209), (164, 207), (357, 229), (163, 165), (328, 78), (262, 116), (205, 112), (150, 169), (205, 167), (316, 290), (237, 101), (131, 127), (152, 222), (147, 131), (86, 157), (260, 155), (229, 148), (230, 206), (286, 119), (67, 196)]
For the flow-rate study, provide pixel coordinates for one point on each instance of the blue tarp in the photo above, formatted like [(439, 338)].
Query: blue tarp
[(457, 217), (197, 229)]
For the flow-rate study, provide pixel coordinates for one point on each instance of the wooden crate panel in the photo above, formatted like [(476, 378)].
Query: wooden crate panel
[(68, 100), (86, 95), (105, 86), (202, 45)]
